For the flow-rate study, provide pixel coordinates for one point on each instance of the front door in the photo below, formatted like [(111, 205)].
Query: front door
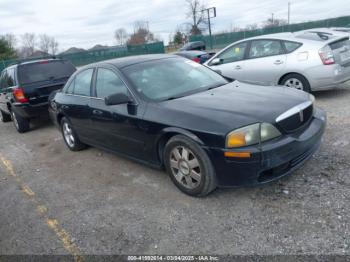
[(117, 127), (232, 62)]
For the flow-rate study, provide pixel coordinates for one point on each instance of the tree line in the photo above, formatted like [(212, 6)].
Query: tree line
[(27, 45)]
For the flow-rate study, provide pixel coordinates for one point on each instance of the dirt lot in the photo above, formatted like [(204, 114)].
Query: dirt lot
[(54, 201)]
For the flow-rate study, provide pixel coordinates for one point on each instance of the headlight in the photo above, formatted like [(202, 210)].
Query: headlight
[(251, 135)]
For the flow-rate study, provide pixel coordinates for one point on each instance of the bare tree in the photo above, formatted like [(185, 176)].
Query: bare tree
[(121, 36), (251, 27), (269, 23), (28, 44), (53, 46), (11, 40), (44, 43), (141, 34), (195, 12)]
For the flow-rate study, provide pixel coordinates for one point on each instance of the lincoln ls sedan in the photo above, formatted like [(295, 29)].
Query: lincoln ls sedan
[(206, 131)]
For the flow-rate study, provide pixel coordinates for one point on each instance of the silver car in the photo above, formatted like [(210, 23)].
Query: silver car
[(308, 61)]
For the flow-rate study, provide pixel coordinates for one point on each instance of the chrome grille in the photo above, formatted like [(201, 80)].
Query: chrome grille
[(296, 117)]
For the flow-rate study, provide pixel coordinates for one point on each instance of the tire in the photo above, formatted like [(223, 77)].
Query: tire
[(296, 81), (70, 137), (191, 172), (21, 124), (4, 117)]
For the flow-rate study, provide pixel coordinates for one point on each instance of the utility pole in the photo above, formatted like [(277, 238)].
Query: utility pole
[(209, 24), (272, 18), (288, 13)]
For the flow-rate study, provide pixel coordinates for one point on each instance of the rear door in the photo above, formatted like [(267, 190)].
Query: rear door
[(266, 60), (232, 62)]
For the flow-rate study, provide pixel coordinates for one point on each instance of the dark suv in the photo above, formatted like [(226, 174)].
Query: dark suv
[(198, 45), (25, 88)]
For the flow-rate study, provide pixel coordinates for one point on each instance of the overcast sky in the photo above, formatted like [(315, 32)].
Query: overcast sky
[(84, 23)]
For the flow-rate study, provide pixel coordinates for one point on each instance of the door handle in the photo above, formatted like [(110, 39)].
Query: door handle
[(238, 67), (278, 62), (97, 112)]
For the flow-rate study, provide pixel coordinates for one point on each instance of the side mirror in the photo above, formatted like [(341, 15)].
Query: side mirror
[(216, 61), (117, 99)]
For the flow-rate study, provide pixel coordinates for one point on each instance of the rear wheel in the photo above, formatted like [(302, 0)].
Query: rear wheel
[(4, 117), (189, 166), (296, 81), (70, 137), (21, 124)]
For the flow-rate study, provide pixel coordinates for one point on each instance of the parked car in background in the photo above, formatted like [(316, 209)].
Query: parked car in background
[(307, 61), (198, 45), (25, 88), (168, 111), (196, 56)]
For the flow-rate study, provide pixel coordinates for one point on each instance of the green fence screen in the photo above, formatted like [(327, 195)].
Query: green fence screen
[(87, 57), (221, 40)]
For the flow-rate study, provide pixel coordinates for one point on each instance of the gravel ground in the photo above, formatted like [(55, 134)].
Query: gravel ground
[(105, 204)]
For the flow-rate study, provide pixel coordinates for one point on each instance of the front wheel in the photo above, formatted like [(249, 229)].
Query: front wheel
[(189, 166), (21, 124), (70, 137)]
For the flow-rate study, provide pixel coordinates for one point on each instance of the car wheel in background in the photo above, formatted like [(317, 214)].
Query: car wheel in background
[(70, 137), (189, 166), (296, 81), (21, 124), (4, 117)]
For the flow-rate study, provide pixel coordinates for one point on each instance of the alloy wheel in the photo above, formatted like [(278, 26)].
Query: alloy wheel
[(294, 83), (185, 167), (68, 134)]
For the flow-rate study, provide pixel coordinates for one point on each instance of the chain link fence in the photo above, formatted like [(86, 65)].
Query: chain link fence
[(91, 56), (222, 40)]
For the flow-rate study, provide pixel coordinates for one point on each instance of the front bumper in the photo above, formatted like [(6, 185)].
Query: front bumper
[(272, 160)]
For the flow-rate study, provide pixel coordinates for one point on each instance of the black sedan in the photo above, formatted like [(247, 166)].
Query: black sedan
[(167, 111)]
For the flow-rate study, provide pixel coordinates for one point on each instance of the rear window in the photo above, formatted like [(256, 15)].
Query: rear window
[(339, 44), (43, 71)]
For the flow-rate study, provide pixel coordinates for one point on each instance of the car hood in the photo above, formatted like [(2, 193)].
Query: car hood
[(234, 105)]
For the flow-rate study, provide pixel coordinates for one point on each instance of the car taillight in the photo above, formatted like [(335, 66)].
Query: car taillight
[(196, 59), (19, 95), (327, 56)]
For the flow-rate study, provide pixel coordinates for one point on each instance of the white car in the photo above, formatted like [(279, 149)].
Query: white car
[(308, 61)]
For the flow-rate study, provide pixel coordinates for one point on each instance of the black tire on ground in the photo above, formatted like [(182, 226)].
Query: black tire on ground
[(204, 167), (21, 124), (4, 117), (292, 81), (70, 137)]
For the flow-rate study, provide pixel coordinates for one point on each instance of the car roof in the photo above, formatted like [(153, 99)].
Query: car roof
[(32, 62), (132, 60)]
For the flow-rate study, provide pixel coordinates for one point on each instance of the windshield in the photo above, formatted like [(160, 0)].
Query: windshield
[(45, 70), (172, 78)]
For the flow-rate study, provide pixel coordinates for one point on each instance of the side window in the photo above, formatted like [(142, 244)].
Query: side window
[(108, 83), (291, 46), (83, 82), (263, 48), (11, 77), (3, 83), (70, 88), (234, 53)]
